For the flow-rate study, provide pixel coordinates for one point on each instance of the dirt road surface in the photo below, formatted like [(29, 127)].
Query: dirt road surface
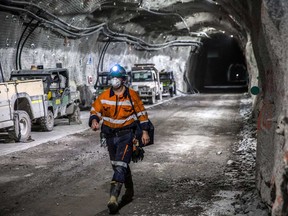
[(186, 172)]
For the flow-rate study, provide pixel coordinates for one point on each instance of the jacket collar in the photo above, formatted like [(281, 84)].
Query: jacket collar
[(125, 94)]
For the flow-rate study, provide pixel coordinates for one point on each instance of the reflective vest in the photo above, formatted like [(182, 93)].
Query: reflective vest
[(116, 111)]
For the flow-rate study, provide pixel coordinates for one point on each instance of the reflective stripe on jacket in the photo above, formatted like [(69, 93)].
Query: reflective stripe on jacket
[(116, 110)]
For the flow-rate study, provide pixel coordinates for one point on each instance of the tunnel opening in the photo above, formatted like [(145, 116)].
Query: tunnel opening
[(220, 66)]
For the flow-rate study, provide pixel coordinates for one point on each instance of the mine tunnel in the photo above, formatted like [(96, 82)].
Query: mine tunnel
[(221, 65), (219, 59)]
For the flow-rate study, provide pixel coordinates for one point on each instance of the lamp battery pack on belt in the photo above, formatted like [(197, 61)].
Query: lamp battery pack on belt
[(107, 132), (121, 132), (138, 130), (118, 133)]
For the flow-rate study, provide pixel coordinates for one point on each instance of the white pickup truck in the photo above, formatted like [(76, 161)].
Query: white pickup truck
[(21, 102), (145, 80)]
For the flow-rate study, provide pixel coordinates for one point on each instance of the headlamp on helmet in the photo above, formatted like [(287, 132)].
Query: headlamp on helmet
[(117, 71)]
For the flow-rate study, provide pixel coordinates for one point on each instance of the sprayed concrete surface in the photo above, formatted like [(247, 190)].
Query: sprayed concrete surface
[(192, 168)]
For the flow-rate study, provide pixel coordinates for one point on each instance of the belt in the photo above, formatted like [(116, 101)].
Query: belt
[(120, 133)]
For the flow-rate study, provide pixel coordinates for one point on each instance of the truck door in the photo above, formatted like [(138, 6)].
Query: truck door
[(5, 111)]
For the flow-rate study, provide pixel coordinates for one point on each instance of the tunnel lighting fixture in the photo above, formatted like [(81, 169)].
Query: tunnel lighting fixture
[(231, 36)]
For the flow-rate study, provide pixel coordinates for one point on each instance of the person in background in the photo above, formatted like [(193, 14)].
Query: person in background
[(114, 110)]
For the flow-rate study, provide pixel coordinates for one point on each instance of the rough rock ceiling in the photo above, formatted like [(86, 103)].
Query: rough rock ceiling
[(150, 24)]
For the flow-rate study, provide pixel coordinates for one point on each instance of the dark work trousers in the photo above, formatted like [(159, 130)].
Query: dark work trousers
[(120, 151)]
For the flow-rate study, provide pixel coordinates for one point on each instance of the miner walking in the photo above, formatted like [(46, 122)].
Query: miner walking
[(119, 117)]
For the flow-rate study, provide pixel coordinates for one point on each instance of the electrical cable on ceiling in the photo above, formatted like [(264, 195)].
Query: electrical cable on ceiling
[(22, 46), (140, 41), (166, 14), (55, 17), (75, 34), (101, 27), (101, 58), (19, 42), (2, 74), (103, 53)]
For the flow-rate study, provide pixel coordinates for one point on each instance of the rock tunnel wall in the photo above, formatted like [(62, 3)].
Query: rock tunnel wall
[(268, 24), (269, 40), (80, 56)]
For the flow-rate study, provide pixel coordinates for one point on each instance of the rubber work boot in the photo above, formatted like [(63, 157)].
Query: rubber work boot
[(129, 192), (114, 194)]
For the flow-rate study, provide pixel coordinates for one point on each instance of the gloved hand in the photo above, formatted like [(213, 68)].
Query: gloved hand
[(138, 154)]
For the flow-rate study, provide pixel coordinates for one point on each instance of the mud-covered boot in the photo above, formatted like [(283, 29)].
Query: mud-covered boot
[(129, 192), (114, 194)]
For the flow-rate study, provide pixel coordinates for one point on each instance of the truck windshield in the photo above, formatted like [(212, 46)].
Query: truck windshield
[(142, 76), (165, 76), (104, 80)]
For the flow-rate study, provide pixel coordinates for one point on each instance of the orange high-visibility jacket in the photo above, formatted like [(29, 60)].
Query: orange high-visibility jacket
[(116, 111)]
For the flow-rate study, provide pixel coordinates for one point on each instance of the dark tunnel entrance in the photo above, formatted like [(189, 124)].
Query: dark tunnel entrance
[(220, 66)]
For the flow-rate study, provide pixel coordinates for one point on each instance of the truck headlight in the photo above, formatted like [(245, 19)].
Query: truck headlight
[(135, 87), (145, 88)]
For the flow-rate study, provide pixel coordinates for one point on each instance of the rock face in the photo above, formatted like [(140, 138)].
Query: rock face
[(269, 45), (77, 35)]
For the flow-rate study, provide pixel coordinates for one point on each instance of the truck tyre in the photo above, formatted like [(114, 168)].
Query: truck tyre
[(159, 96), (75, 117), (175, 90), (171, 92), (47, 122), (22, 126)]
